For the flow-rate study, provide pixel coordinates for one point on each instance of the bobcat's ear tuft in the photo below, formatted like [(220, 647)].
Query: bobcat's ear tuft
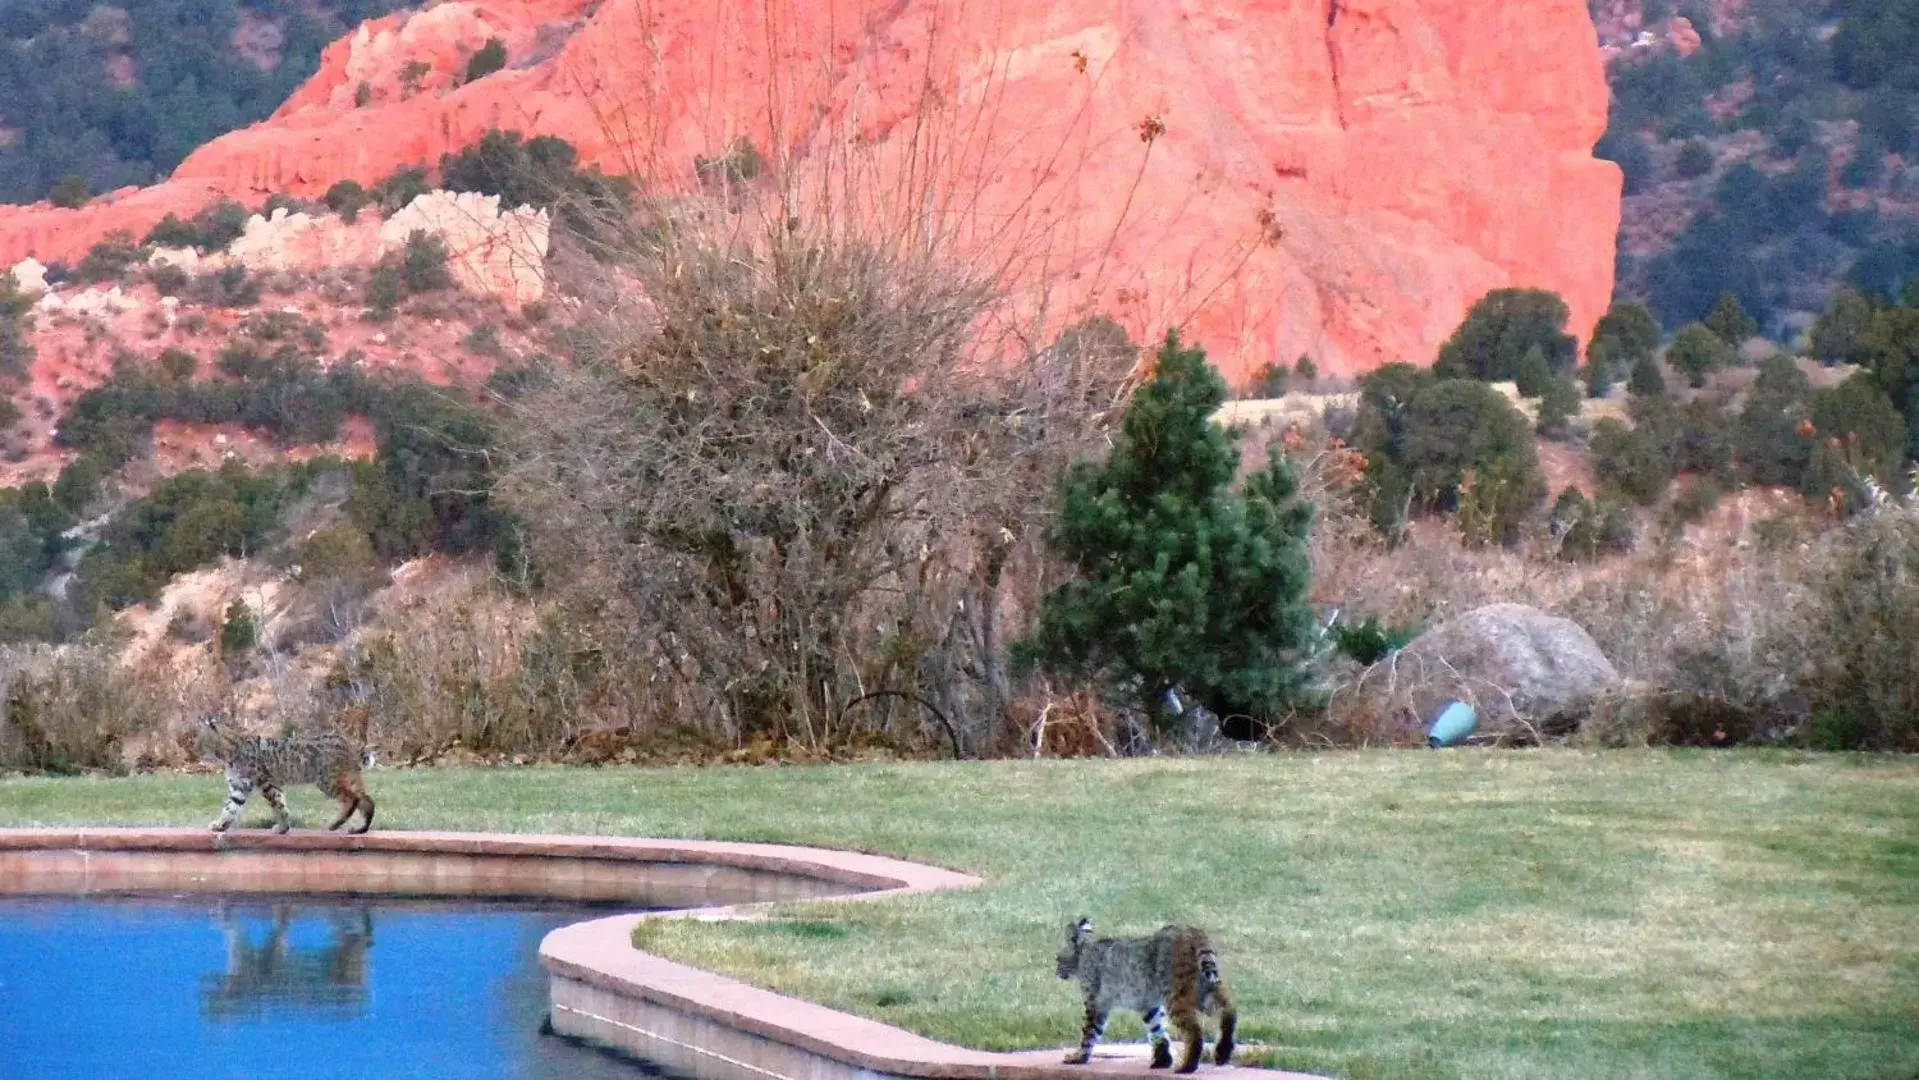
[(1083, 927)]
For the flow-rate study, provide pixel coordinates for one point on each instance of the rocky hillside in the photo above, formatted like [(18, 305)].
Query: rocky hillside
[(1771, 149), (1321, 177)]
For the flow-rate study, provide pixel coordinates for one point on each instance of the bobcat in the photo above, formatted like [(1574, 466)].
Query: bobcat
[(329, 760), (1175, 971)]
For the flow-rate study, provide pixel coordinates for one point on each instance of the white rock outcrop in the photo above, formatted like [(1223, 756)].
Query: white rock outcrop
[(30, 277)]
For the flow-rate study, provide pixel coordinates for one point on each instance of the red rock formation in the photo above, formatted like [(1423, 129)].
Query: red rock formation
[(1338, 178)]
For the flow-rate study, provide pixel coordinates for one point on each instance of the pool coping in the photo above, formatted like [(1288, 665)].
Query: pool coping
[(602, 987)]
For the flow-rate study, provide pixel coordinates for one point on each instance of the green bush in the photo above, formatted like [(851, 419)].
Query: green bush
[(1181, 583), (1575, 521), (212, 229), (292, 204), (16, 349), (1647, 380), (187, 521), (1459, 432), (228, 287), (1368, 642), (177, 365), (1889, 348), (486, 60), (423, 266), (168, 279), (173, 233), (1617, 529), (430, 486), (1499, 331), (1859, 434), (1268, 382), (110, 259), (30, 526), (1773, 436), (1558, 405), (70, 193), (1693, 503), (78, 484), (1631, 329), (346, 198), (1705, 440), (384, 289), (1603, 369), (1629, 462), (544, 172), (337, 552), (484, 340), (1427, 440), (1696, 352), (396, 191), (1729, 321), (1532, 374), (1836, 334), (239, 630), (1695, 159), (27, 618)]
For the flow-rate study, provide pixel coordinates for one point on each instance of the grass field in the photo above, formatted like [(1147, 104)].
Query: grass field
[(1404, 915)]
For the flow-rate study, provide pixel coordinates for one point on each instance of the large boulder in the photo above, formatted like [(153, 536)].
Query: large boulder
[(1530, 675)]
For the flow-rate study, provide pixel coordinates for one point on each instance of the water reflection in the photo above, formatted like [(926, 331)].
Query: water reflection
[(187, 987), (281, 972)]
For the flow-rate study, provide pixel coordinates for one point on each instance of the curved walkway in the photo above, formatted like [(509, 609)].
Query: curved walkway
[(682, 1018)]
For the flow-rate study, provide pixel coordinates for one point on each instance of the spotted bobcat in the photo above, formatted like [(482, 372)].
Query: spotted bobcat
[(329, 759), (1174, 971)]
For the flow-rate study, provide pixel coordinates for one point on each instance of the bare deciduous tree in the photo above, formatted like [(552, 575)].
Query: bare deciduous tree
[(791, 480)]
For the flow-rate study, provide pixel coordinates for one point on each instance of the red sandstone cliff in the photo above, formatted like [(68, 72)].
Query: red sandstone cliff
[(1339, 178)]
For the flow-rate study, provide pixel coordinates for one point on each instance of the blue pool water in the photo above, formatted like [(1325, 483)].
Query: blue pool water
[(290, 989)]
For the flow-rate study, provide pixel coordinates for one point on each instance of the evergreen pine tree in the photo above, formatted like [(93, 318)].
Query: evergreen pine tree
[(1602, 368), (1646, 378), (1631, 329), (1557, 407), (1697, 351), (1728, 319), (1532, 375), (1181, 582)]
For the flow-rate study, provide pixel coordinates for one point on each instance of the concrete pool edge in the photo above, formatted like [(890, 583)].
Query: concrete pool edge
[(601, 988)]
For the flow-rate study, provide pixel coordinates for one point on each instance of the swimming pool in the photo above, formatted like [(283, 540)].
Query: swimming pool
[(282, 987)]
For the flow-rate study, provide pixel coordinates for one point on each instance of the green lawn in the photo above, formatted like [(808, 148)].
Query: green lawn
[(1405, 915)]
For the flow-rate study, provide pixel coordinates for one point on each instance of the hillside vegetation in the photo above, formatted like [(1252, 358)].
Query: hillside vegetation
[(1778, 160), (100, 96)]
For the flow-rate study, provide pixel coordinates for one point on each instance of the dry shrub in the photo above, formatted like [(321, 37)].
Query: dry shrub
[(69, 709), (1866, 581), (1762, 622), (470, 667), (787, 486)]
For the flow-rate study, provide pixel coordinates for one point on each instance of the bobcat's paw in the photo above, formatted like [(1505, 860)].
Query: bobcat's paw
[(1162, 1058), (1078, 1057), (219, 826), (281, 827)]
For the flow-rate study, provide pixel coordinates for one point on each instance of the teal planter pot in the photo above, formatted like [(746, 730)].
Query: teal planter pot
[(1455, 722)]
